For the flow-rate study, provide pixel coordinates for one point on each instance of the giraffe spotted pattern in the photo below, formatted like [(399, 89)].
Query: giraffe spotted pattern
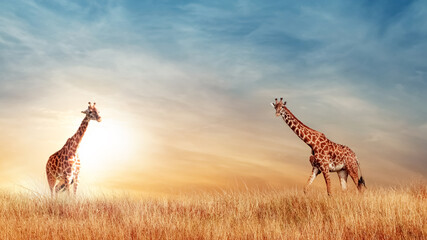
[(63, 167), (327, 156)]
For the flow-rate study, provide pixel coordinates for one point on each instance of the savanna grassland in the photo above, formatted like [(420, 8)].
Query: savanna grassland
[(382, 213)]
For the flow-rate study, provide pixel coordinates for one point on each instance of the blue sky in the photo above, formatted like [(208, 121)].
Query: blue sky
[(355, 70), (377, 45)]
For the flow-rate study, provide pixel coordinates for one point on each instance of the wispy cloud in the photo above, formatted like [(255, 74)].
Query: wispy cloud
[(199, 75)]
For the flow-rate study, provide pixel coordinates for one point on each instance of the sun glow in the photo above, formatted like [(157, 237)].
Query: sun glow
[(105, 146)]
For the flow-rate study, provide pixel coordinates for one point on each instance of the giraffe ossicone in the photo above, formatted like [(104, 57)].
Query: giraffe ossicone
[(63, 167), (327, 156)]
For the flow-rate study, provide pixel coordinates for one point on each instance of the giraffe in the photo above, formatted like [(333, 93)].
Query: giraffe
[(63, 167), (327, 156)]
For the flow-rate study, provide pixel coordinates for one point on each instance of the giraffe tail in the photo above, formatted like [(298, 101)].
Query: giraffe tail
[(361, 181)]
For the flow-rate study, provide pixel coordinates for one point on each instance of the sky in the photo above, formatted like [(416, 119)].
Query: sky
[(184, 89)]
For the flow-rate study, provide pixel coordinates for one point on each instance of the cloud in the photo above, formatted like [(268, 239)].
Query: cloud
[(198, 77)]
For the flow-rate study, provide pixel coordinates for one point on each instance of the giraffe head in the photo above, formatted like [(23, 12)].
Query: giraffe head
[(92, 113), (278, 105)]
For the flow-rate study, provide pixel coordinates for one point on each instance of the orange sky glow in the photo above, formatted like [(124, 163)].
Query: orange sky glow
[(184, 91)]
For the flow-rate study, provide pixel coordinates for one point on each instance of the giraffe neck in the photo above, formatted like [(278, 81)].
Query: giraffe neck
[(75, 140), (305, 133)]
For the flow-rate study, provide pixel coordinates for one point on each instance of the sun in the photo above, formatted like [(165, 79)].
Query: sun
[(106, 145)]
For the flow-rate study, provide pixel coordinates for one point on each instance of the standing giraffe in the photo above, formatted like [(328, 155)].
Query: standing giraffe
[(327, 156), (63, 167)]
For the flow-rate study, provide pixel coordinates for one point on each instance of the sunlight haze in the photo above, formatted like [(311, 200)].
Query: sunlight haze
[(184, 90)]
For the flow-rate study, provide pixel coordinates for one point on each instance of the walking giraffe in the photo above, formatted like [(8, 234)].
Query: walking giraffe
[(63, 167), (327, 156)]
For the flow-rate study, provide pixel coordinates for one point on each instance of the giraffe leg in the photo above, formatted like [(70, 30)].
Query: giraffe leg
[(51, 180), (76, 183), (60, 187), (323, 162), (327, 180), (67, 188), (76, 175), (313, 175), (355, 177), (68, 182), (343, 174)]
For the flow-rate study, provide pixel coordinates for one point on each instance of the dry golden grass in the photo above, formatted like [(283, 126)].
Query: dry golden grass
[(255, 214)]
